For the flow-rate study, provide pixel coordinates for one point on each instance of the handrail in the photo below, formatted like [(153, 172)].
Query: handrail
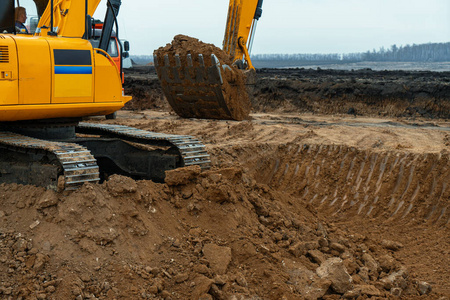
[(108, 57)]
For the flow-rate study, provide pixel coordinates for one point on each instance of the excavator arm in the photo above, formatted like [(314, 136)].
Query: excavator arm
[(68, 18), (243, 16)]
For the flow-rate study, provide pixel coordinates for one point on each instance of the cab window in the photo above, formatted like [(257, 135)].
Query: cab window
[(112, 49), (32, 15)]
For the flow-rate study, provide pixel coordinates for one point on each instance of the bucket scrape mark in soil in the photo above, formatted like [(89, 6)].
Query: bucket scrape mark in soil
[(387, 185)]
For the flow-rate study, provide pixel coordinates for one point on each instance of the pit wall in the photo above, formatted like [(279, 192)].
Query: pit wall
[(345, 181), (350, 96)]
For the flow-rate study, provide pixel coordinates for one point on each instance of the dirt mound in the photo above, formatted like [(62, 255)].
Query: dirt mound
[(212, 236), (208, 99), (184, 45), (309, 158)]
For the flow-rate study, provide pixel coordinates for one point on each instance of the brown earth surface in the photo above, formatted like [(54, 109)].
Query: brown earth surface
[(299, 204)]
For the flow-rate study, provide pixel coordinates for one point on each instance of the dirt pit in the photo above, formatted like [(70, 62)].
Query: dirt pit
[(297, 206), (218, 234), (210, 98)]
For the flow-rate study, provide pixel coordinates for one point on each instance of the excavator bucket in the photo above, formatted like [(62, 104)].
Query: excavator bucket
[(200, 87)]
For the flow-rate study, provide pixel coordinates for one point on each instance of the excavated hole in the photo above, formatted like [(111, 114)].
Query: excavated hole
[(344, 182)]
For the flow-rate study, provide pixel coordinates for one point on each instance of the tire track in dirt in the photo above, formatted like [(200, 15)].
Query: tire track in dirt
[(344, 181)]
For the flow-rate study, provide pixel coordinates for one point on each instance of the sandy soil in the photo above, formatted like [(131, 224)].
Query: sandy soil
[(298, 205)]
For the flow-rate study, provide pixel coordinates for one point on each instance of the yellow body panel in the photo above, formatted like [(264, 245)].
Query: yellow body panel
[(34, 70), (9, 83), (53, 111), (65, 86), (33, 90), (73, 88), (107, 80)]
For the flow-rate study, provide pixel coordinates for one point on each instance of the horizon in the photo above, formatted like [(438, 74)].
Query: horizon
[(290, 26), (334, 53)]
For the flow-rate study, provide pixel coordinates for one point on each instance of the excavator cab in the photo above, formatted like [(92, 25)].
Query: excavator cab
[(54, 71), (196, 86)]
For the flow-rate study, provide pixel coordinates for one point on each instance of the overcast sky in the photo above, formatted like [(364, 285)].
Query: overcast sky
[(289, 26)]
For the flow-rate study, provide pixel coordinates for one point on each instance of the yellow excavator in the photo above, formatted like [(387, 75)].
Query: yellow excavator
[(195, 85), (52, 75)]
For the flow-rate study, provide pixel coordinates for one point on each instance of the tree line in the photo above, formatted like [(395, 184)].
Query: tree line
[(431, 52)]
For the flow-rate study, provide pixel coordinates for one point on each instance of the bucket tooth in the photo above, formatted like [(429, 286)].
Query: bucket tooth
[(189, 61), (214, 72), (200, 71), (166, 60), (177, 61), (201, 61)]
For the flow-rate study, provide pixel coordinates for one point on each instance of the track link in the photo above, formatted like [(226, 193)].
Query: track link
[(77, 164), (191, 150)]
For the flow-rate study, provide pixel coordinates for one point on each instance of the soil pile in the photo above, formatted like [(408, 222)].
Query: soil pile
[(203, 93), (211, 235), (184, 45)]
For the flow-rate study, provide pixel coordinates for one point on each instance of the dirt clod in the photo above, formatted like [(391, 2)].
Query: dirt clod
[(218, 257), (334, 270), (182, 176)]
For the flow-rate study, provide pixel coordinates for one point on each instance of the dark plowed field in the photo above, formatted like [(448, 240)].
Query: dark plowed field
[(408, 94)]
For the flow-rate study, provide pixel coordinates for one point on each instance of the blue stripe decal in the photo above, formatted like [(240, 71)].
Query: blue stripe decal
[(72, 70)]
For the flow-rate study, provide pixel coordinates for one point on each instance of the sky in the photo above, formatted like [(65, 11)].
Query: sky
[(289, 26)]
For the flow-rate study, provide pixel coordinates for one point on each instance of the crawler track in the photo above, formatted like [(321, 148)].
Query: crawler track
[(70, 160), (27, 160), (192, 151)]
